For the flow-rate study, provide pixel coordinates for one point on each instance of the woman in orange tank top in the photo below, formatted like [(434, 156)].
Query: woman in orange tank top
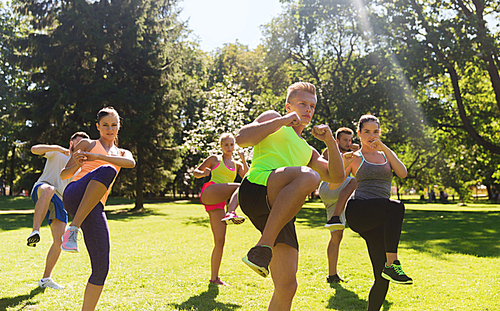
[(99, 162)]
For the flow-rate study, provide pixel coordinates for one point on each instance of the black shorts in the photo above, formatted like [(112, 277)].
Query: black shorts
[(253, 202)]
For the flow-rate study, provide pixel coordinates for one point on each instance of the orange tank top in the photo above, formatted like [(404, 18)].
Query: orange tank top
[(92, 165)]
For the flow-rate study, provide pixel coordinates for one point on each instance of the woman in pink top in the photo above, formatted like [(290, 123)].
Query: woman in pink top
[(84, 198)]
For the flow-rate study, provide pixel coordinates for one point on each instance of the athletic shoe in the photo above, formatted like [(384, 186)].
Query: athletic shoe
[(49, 282), (232, 218), (335, 224), (395, 274), (34, 238), (218, 281), (258, 259), (69, 239), (334, 279)]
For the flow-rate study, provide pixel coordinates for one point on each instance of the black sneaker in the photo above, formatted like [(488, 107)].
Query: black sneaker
[(335, 224), (334, 279), (34, 238), (395, 274), (258, 259)]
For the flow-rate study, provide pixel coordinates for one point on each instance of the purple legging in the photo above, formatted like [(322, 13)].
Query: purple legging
[(95, 226)]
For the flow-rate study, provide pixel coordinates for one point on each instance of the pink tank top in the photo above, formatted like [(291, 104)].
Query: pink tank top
[(92, 165)]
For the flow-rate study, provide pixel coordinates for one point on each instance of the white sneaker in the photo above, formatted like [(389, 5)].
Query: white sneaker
[(34, 238), (49, 282)]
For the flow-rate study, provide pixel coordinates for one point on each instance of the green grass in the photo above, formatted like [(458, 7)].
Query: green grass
[(160, 261)]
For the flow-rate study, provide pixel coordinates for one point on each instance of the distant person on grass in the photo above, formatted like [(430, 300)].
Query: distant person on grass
[(214, 194), (372, 213), (47, 195), (284, 171), (99, 162), (335, 196)]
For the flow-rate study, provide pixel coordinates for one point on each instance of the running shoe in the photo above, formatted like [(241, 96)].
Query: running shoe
[(218, 281), (34, 238), (69, 239), (395, 274), (258, 259), (49, 282), (334, 279), (335, 224), (232, 218)]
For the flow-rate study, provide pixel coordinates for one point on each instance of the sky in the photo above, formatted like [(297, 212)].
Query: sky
[(216, 22)]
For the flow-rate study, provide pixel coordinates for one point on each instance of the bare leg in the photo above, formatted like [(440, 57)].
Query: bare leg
[(44, 193), (91, 297), (57, 228), (391, 257), (219, 232), (333, 250), (233, 202), (93, 194), (284, 265), (344, 195), (217, 193), (287, 189)]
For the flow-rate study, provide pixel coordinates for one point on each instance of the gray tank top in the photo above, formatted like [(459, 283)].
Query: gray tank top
[(374, 180)]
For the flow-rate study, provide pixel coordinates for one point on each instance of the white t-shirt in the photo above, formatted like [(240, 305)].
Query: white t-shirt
[(51, 175)]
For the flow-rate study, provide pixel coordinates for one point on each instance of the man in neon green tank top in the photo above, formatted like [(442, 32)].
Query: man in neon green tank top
[(285, 169)]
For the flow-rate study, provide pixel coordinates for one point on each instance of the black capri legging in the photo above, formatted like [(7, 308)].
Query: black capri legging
[(379, 222)]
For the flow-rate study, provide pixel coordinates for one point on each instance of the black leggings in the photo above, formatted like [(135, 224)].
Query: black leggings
[(379, 222)]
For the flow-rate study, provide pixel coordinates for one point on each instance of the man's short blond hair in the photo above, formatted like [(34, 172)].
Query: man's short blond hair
[(300, 86)]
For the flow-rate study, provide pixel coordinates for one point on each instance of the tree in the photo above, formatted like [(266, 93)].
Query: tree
[(450, 42), (225, 111), (125, 54)]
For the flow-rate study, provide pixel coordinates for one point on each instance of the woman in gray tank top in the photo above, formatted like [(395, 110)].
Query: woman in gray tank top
[(371, 212)]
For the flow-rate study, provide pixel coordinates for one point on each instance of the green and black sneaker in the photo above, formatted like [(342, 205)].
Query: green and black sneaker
[(258, 259), (394, 273)]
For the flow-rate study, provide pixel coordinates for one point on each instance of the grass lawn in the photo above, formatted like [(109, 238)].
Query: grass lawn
[(160, 261)]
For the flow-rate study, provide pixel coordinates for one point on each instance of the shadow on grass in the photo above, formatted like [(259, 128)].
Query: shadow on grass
[(22, 300), (440, 232), (347, 300), (197, 221), (14, 221), (311, 217), (436, 232), (206, 301)]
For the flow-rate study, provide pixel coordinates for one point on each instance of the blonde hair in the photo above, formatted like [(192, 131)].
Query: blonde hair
[(300, 86), (224, 136)]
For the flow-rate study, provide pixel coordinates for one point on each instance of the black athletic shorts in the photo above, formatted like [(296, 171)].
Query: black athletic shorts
[(253, 202)]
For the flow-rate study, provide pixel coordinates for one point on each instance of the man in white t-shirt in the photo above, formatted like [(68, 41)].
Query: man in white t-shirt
[(47, 194), (333, 195)]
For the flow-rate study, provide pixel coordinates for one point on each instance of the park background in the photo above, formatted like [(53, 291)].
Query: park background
[(428, 69)]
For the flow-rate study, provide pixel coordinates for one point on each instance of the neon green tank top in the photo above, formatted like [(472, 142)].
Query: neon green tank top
[(222, 174), (282, 148)]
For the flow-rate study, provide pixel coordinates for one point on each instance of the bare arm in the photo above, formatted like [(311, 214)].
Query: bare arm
[(75, 162), (265, 124), (397, 166), (242, 167), (125, 159), (205, 167), (43, 149), (331, 171)]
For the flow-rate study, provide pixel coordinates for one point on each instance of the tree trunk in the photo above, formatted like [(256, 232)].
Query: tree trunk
[(5, 158), (12, 166), (139, 183)]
